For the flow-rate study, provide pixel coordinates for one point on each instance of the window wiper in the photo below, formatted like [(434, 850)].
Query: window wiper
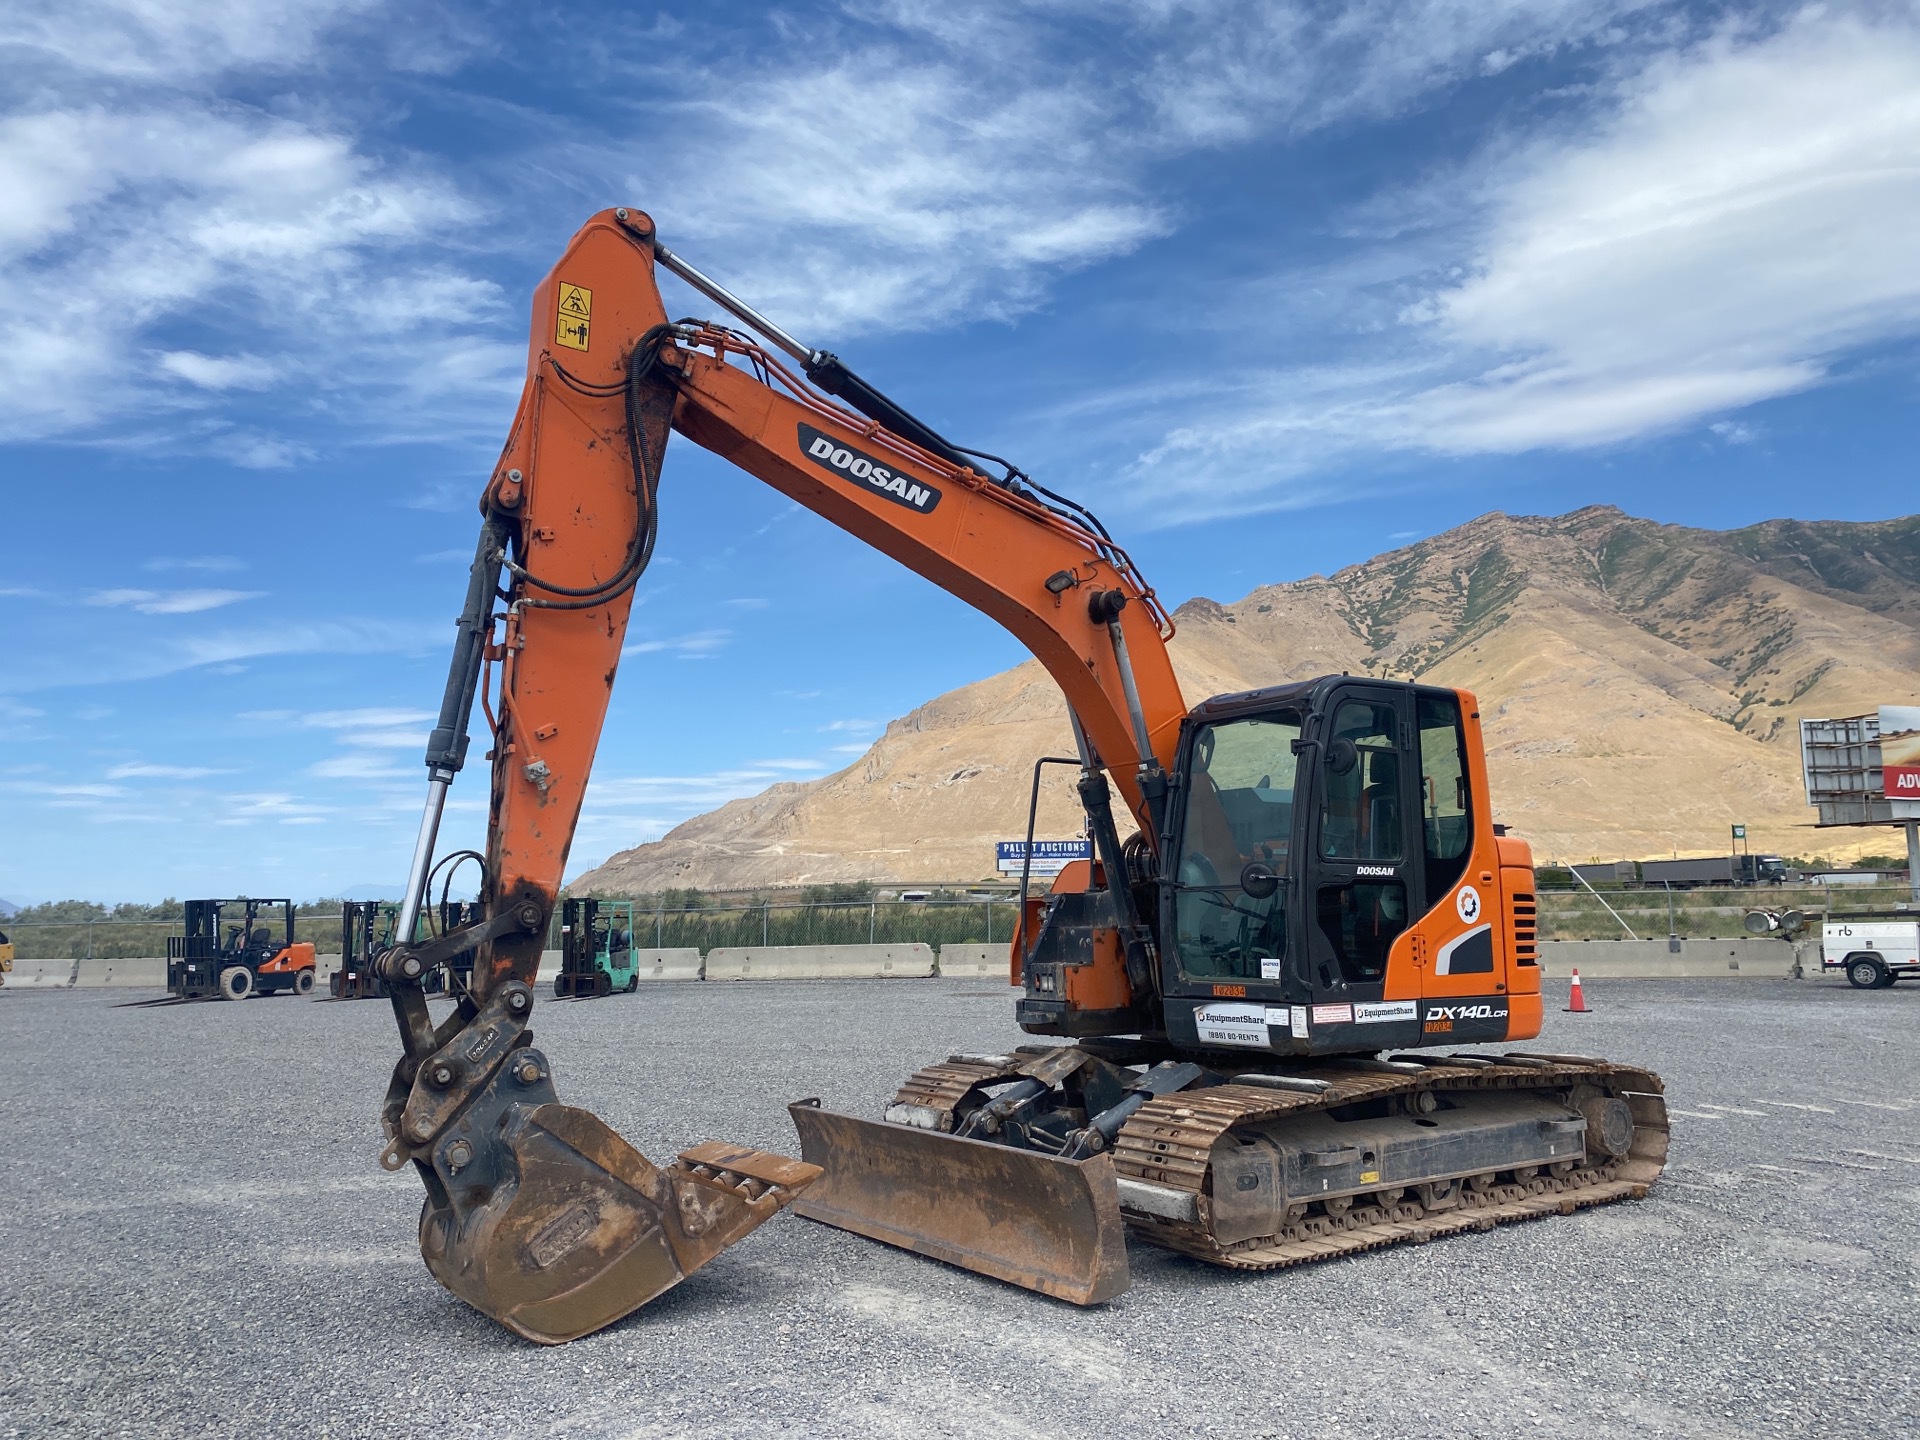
[(1222, 897)]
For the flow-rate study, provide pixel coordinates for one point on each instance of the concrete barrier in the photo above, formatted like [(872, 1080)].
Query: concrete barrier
[(974, 961), (324, 966), (148, 972), (667, 964), (549, 965), (41, 974), (1652, 959), (820, 962)]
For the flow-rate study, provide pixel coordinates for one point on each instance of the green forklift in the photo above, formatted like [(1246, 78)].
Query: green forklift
[(596, 949)]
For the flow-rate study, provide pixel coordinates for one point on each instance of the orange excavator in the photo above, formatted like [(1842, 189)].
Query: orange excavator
[(1298, 896)]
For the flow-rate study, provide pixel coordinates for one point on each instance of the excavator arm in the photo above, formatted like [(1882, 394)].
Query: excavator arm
[(537, 1213)]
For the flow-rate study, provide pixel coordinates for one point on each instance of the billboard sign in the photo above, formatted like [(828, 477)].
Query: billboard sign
[(1900, 752), (1050, 857), (1863, 769)]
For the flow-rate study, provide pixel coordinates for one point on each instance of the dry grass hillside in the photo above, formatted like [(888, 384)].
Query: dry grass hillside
[(1640, 684)]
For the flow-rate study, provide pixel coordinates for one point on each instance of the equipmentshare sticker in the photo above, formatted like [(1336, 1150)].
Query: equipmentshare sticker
[(1239, 1024), (1382, 1012)]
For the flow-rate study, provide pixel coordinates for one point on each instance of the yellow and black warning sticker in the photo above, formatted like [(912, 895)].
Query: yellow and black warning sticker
[(576, 316)]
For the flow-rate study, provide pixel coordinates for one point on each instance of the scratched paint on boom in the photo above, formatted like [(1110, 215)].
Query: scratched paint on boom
[(877, 475)]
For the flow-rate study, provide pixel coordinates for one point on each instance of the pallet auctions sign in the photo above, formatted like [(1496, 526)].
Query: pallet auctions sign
[(1900, 751), (1049, 856)]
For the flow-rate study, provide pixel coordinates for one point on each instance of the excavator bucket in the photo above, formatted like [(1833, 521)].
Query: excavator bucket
[(540, 1216), (1051, 1225)]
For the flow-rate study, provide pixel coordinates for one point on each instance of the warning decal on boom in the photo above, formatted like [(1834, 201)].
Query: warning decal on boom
[(576, 314)]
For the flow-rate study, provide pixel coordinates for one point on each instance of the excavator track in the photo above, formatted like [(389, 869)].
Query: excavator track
[(1169, 1144), (1163, 1157)]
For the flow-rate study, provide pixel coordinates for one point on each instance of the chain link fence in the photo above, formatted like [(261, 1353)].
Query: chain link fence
[(935, 921), (1576, 914), (1704, 914), (112, 939)]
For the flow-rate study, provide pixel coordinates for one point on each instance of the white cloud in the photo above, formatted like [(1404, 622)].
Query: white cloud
[(700, 645), (681, 795), (359, 767), (302, 256), (896, 191), (219, 372), (171, 602), (387, 739), (246, 807), (1745, 216), (218, 563), (251, 450), (1733, 222), (139, 770), (1225, 69), (144, 40), (171, 653), (328, 637), (934, 163), (89, 792), (374, 717)]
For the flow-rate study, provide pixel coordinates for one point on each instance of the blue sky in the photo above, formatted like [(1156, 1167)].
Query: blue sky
[(1274, 286)]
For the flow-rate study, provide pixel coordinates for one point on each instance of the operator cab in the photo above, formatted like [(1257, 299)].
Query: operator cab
[(1331, 883), (1313, 827)]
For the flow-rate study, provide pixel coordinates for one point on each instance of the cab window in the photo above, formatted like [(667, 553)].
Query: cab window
[(1360, 819), (1446, 811), (1361, 921), (1239, 809)]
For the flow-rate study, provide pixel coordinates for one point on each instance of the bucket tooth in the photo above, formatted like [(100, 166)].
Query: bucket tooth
[(1030, 1219)]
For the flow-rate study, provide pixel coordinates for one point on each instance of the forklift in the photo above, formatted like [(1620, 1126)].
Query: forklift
[(247, 959), (596, 949), (366, 931)]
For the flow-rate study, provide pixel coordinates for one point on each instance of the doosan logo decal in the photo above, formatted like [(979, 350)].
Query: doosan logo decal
[(875, 475)]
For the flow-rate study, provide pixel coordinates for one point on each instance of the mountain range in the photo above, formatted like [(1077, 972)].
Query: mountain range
[(1640, 684)]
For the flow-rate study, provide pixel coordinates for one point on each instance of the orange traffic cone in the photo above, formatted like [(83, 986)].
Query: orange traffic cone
[(1577, 1002)]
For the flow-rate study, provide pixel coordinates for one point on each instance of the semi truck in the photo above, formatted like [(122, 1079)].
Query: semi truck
[(1716, 870)]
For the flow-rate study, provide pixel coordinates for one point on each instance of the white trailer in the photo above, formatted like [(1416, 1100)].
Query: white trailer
[(1874, 953)]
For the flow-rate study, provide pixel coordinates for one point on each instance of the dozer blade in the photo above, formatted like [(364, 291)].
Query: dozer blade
[(1048, 1224), (540, 1216)]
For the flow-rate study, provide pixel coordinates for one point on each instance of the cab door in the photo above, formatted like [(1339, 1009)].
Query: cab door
[(1363, 884), (1460, 948)]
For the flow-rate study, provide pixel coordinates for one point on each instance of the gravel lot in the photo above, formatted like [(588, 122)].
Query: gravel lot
[(200, 1243)]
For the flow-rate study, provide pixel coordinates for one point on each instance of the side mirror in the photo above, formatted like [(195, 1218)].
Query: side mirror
[(1259, 880), (1342, 756)]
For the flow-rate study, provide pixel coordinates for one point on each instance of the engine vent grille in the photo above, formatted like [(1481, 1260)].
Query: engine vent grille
[(1526, 950)]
